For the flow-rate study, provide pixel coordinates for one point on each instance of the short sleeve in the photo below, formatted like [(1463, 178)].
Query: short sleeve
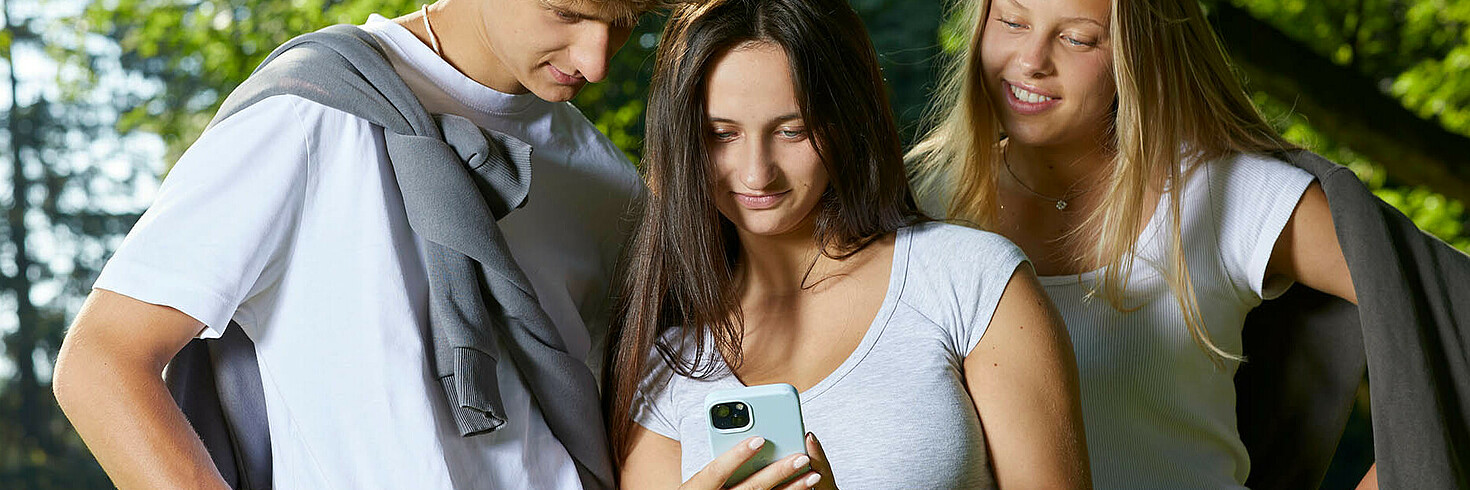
[(956, 278), (654, 399), (1253, 197), (999, 258), (221, 217)]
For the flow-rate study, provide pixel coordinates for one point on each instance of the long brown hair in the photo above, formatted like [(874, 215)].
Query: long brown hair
[(1178, 102), (679, 268)]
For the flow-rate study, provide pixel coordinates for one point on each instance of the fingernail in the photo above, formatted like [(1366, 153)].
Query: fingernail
[(756, 442), (800, 461), (811, 437), (811, 481)]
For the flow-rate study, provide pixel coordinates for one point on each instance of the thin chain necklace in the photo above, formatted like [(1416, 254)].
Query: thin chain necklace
[(1061, 202), (433, 40)]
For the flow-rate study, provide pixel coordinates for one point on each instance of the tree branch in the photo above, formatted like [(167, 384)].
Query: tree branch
[(1346, 105)]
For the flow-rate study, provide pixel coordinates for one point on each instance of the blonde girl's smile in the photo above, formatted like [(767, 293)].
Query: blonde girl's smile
[(1025, 100)]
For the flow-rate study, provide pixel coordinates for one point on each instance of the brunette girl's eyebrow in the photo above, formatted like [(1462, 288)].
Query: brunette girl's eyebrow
[(779, 119)]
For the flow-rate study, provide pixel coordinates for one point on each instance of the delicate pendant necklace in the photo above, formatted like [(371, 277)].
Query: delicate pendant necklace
[(433, 40), (1061, 202)]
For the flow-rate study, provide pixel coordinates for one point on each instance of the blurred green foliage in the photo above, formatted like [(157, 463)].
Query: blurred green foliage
[(1418, 50), (1433, 212)]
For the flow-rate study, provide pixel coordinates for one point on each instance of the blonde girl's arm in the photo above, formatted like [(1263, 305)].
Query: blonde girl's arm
[(1308, 252), (1022, 378)]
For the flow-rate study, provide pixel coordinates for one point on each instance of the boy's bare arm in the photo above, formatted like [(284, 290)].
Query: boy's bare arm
[(108, 380)]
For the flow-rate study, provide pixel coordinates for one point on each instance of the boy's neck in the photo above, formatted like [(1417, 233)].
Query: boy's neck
[(463, 43)]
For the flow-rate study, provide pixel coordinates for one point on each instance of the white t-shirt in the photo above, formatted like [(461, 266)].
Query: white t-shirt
[(897, 413), (287, 219), (1157, 411)]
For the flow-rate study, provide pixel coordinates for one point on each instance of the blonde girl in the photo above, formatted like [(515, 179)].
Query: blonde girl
[(1111, 141)]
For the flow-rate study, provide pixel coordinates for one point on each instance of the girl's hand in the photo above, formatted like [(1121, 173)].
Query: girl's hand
[(798, 467), (819, 464)]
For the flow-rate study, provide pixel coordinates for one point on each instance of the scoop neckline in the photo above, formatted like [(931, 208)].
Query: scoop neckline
[(896, 279)]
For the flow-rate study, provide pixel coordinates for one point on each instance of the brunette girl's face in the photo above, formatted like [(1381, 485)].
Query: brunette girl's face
[(768, 176), (1047, 67)]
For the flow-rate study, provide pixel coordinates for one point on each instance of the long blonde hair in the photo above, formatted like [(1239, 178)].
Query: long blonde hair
[(1179, 105)]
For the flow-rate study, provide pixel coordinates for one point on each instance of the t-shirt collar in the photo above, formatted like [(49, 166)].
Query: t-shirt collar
[(463, 88)]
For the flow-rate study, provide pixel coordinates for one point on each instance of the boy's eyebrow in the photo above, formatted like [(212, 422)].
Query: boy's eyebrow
[(614, 12)]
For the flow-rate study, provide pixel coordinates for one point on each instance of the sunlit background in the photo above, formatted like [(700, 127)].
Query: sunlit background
[(99, 99)]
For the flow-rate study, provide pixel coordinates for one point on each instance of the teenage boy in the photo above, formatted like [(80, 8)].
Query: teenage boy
[(285, 219)]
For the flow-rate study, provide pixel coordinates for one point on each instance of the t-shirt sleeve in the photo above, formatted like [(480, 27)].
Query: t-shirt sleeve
[(1253, 197), (999, 260), (963, 273), (221, 217), (654, 399)]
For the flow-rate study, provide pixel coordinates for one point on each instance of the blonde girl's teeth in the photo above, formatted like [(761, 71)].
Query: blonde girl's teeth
[(1028, 96)]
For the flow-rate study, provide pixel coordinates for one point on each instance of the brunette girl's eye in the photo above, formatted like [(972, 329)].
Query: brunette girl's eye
[(722, 135), (792, 133)]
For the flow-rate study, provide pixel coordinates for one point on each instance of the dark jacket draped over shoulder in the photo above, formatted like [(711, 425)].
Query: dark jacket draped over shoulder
[(1307, 352)]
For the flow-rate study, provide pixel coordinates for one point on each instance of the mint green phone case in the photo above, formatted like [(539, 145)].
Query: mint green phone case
[(774, 413)]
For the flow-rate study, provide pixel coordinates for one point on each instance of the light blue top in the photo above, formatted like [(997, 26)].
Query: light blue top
[(896, 413)]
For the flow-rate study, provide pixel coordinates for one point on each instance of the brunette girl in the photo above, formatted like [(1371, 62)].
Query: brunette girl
[(780, 243)]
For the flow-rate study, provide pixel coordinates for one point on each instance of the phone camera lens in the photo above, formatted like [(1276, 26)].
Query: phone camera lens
[(730, 415)]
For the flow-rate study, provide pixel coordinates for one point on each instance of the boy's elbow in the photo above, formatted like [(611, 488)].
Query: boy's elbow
[(65, 376)]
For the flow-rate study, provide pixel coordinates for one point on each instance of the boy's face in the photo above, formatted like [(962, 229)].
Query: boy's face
[(554, 47)]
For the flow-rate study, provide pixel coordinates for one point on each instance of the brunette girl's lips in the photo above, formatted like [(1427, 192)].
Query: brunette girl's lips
[(562, 78), (760, 201), (1027, 101)]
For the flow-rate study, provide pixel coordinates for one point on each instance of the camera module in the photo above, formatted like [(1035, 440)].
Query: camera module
[(730, 416)]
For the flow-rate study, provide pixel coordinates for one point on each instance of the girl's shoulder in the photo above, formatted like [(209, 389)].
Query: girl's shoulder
[(952, 261), (1252, 173), (954, 242)]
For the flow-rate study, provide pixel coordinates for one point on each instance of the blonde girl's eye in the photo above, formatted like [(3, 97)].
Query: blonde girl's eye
[(1010, 24), (1078, 42), (566, 16)]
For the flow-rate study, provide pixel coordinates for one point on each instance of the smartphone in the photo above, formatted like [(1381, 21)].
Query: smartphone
[(771, 411)]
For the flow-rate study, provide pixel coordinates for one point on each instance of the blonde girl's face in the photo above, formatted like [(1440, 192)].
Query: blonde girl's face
[(1047, 68), (768, 175)]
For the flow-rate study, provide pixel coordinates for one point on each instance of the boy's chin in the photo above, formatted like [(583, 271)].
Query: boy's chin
[(555, 92)]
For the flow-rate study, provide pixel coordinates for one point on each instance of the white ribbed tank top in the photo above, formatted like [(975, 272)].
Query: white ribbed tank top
[(1158, 413)]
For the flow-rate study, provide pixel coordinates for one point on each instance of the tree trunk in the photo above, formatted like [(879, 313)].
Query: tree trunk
[(21, 344)]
